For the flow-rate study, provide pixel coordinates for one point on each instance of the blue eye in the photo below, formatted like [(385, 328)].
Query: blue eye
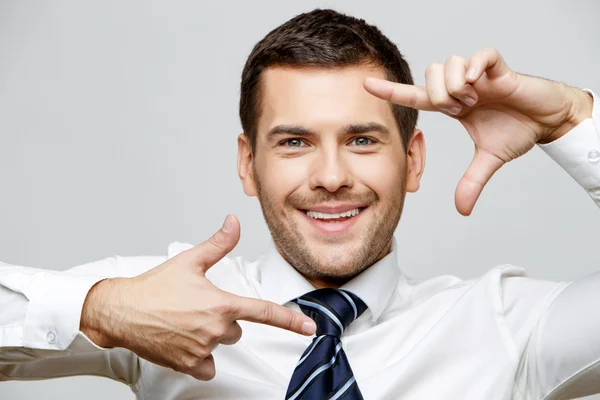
[(294, 143), (362, 141)]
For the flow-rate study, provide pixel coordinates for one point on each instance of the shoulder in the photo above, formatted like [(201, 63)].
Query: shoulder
[(512, 283), (509, 283), (500, 284)]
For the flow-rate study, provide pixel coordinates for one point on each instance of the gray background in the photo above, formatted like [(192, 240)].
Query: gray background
[(118, 125)]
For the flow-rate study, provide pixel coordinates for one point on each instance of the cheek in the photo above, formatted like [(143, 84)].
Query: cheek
[(280, 177), (383, 173)]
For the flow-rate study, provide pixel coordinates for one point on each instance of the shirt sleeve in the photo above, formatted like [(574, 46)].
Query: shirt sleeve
[(39, 321), (578, 152), (556, 325), (561, 359)]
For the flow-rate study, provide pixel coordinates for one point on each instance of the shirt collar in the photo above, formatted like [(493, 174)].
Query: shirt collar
[(281, 283)]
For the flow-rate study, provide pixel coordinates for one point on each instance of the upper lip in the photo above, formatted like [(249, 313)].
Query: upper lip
[(332, 208)]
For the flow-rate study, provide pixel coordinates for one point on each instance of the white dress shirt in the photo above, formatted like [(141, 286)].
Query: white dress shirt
[(501, 336)]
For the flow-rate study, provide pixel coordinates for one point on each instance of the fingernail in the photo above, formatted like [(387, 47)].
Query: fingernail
[(452, 110), (309, 328), (228, 224), (469, 101), (471, 74)]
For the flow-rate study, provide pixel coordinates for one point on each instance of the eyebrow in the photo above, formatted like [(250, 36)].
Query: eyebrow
[(295, 130), (350, 129), (353, 129)]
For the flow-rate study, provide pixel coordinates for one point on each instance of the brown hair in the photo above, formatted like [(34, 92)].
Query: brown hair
[(327, 39)]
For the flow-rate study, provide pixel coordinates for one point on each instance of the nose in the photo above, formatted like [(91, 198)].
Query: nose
[(330, 172)]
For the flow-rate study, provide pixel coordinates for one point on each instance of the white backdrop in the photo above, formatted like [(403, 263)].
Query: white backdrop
[(118, 125)]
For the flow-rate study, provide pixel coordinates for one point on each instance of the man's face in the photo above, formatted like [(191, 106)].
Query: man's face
[(329, 170)]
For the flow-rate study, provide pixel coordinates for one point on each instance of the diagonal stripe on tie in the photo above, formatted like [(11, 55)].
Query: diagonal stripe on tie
[(310, 349), (316, 374), (323, 371), (342, 389), (326, 311)]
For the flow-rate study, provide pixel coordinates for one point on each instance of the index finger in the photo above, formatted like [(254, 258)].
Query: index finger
[(269, 313), (399, 93)]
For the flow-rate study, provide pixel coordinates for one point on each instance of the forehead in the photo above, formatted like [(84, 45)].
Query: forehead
[(321, 99)]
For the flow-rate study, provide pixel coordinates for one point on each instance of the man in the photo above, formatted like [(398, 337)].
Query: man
[(330, 164)]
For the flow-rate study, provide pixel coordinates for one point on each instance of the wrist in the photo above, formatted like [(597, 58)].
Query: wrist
[(580, 108), (99, 319)]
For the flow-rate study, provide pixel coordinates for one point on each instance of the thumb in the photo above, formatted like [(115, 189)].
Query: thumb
[(477, 175), (218, 245)]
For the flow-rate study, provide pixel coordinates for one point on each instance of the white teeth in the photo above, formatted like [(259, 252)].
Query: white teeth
[(318, 215), (350, 213)]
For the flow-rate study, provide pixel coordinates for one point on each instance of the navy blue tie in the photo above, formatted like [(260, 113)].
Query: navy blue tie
[(323, 372)]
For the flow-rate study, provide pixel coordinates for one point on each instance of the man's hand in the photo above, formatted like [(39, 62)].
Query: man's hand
[(174, 316), (506, 113)]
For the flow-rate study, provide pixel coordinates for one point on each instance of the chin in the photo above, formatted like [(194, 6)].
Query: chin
[(339, 260)]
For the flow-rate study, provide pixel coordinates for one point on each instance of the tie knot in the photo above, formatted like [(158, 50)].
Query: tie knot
[(331, 309)]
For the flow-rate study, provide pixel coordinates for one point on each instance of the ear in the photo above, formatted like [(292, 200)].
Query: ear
[(244, 165), (415, 161)]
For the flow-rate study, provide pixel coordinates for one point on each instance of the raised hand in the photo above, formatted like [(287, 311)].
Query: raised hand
[(174, 316), (504, 112)]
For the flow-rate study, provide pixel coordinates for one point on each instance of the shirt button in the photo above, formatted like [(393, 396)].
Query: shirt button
[(51, 337), (594, 156)]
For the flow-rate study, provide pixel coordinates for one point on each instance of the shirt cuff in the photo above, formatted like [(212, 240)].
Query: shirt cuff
[(578, 151), (54, 310)]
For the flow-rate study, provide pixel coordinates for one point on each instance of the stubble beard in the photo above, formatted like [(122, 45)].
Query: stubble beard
[(292, 246)]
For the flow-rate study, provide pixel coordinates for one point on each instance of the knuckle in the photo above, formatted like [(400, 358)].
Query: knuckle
[(266, 312), (203, 352), (393, 94), (198, 351), (454, 59), (225, 308), (218, 331), (219, 240), (291, 322), (455, 89), (206, 370), (187, 364), (488, 53), (413, 100), (429, 70), (211, 335), (437, 99), (433, 68)]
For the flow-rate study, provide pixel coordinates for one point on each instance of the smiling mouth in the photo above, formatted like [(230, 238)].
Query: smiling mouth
[(337, 217)]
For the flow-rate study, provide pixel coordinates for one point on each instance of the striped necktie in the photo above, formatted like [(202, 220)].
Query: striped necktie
[(323, 371)]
